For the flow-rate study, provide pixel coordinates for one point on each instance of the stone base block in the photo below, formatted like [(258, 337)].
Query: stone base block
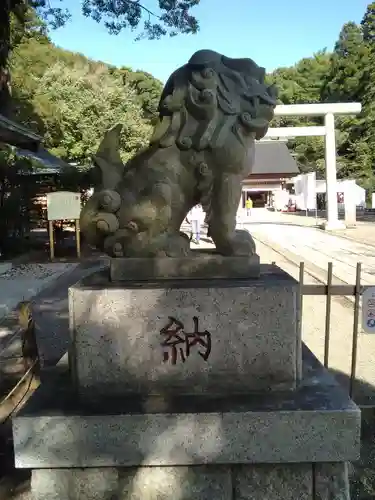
[(75, 484), (336, 225), (185, 336), (202, 265), (257, 482), (316, 423)]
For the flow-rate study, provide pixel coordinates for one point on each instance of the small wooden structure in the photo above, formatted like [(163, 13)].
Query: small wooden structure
[(16, 135), (28, 144), (273, 168)]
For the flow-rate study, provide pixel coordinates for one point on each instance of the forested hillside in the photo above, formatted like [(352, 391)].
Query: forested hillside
[(71, 100)]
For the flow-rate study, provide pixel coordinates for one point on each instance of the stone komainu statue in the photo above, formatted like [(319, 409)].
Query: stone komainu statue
[(210, 113)]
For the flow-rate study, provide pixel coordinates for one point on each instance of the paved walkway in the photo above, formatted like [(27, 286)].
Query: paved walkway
[(314, 245), (363, 232), (280, 239), (313, 332)]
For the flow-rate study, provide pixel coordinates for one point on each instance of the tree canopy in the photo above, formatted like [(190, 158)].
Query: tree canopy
[(171, 17), (70, 100), (16, 17), (346, 74)]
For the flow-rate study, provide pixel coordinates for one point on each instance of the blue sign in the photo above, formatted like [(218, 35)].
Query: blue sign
[(368, 310)]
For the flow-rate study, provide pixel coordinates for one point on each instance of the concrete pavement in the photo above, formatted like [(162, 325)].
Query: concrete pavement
[(341, 331), (314, 245), (362, 232)]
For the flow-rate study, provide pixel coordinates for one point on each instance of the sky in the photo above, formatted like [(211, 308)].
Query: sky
[(274, 33)]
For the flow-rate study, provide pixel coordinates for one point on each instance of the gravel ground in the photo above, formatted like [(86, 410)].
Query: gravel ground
[(26, 280), (50, 308)]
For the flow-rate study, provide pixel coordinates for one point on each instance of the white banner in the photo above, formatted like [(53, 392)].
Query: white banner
[(310, 191), (305, 190)]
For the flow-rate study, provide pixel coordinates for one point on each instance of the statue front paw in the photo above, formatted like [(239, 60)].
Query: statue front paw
[(177, 245), (239, 244), (243, 243)]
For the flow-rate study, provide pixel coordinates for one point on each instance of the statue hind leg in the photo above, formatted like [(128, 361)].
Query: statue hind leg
[(222, 221)]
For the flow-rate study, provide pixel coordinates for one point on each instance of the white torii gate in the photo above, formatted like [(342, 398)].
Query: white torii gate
[(328, 131)]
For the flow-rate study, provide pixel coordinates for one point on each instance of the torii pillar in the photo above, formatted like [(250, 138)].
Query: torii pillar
[(328, 110)]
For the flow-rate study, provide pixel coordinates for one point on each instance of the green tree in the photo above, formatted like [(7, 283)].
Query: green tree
[(368, 23), (15, 199), (345, 80), (17, 20), (302, 83), (362, 151), (147, 88), (77, 105), (347, 74), (173, 17)]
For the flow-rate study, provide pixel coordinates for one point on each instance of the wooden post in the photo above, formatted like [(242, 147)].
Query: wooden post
[(78, 239), (51, 239)]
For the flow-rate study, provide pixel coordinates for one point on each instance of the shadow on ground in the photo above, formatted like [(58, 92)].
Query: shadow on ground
[(51, 314), (362, 478)]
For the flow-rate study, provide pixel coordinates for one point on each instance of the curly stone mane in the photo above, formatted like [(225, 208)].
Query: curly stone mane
[(211, 107), (210, 96)]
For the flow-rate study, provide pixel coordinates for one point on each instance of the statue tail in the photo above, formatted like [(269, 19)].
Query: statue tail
[(108, 158)]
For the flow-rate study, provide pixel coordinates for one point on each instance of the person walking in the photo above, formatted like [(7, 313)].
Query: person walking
[(196, 218), (249, 206)]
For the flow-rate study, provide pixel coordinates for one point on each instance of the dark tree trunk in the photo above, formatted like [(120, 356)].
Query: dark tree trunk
[(5, 9)]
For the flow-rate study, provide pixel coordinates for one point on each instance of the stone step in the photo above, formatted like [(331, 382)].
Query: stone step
[(316, 423), (242, 482)]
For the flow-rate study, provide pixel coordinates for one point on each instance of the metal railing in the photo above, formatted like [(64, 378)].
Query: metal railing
[(28, 355), (329, 290)]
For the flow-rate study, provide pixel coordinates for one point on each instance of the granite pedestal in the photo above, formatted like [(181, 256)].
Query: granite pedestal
[(185, 336), (257, 417), (275, 446), (204, 264)]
